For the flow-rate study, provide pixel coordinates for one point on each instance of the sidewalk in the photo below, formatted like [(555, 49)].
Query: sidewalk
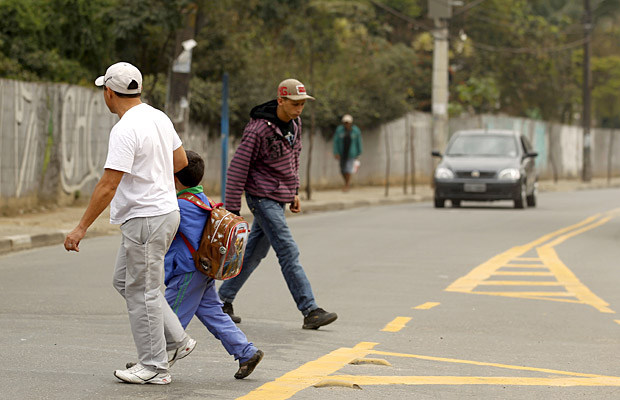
[(49, 227)]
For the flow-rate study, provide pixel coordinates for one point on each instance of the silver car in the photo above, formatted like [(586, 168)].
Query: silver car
[(486, 165)]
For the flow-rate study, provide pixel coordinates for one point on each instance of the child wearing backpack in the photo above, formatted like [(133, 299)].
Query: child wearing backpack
[(188, 291)]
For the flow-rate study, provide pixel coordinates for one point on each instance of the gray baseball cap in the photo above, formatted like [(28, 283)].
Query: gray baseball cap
[(293, 89)]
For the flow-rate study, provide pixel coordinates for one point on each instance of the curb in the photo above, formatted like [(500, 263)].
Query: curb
[(9, 244), (24, 242), (14, 243)]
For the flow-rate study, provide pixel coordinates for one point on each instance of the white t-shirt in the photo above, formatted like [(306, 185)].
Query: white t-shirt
[(141, 146)]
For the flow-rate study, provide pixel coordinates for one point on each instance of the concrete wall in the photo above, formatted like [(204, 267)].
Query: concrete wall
[(560, 147), (53, 144)]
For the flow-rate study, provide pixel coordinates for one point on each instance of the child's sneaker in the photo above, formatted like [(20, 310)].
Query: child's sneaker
[(181, 352), (140, 374), (247, 367), (174, 355)]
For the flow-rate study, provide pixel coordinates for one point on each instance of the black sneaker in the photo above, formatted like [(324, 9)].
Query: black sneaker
[(319, 317), (228, 309), (247, 367)]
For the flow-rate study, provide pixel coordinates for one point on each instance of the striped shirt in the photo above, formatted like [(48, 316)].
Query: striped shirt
[(264, 165)]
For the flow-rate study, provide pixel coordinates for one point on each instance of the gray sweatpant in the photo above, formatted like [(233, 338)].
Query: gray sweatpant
[(138, 277)]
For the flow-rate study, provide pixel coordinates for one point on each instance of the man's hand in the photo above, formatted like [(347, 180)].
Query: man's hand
[(337, 156), (100, 199), (72, 241), (295, 206)]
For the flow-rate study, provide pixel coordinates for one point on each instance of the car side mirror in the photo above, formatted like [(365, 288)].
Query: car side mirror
[(436, 153)]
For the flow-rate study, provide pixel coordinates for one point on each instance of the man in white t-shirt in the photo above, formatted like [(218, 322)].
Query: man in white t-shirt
[(144, 152)]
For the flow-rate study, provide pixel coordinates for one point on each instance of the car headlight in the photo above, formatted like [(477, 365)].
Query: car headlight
[(443, 173), (509, 174)]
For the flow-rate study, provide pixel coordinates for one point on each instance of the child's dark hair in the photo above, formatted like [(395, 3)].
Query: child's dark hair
[(191, 175)]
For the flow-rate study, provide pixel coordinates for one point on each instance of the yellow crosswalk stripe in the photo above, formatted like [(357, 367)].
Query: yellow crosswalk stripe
[(396, 325), (426, 306), (547, 264), (322, 373)]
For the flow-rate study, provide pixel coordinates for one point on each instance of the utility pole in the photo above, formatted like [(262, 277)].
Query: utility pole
[(587, 104), (440, 11), (224, 127), (177, 96)]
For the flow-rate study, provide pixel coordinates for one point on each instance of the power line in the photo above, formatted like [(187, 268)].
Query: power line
[(402, 16), (467, 7), (530, 50), (483, 46)]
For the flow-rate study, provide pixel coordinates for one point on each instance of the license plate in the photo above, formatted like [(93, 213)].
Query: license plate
[(475, 187)]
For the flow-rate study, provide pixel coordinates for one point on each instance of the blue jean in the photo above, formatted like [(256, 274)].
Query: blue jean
[(270, 229), (194, 294)]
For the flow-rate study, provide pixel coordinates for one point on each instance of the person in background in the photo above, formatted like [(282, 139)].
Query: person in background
[(347, 148)]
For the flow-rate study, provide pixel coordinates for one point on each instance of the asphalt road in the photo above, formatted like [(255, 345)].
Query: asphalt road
[(480, 302)]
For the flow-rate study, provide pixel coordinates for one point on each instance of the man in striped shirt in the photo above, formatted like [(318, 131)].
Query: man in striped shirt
[(266, 167)]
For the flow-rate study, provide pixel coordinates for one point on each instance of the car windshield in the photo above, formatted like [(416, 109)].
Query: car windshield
[(486, 145)]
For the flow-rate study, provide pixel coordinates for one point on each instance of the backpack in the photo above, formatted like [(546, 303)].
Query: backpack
[(222, 246)]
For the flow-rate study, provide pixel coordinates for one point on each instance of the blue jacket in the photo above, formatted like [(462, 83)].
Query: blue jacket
[(193, 219)]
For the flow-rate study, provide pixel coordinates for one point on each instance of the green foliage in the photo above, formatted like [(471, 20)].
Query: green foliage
[(606, 88), (481, 94), (516, 45), (59, 40), (372, 59)]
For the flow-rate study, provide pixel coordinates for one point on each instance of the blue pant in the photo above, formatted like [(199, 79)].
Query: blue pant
[(270, 229), (194, 294)]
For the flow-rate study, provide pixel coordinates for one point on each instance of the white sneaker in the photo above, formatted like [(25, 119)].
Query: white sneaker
[(174, 355), (140, 374), (181, 352)]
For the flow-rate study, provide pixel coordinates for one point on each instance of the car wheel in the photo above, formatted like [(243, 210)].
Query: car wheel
[(522, 199), (439, 203), (531, 199), (455, 203)]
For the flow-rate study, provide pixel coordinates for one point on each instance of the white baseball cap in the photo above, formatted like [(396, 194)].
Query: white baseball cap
[(122, 77), (347, 118)]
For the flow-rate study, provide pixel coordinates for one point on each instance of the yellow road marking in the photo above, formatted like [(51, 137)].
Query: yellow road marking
[(396, 325), (524, 266), (531, 294), (522, 273), (319, 373), (570, 281), (520, 283), (309, 374), (617, 321), (426, 306), (484, 270), (353, 381), (551, 265), (483, 364)]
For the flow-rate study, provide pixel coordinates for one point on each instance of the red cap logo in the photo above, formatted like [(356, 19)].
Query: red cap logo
[(284, 91)]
